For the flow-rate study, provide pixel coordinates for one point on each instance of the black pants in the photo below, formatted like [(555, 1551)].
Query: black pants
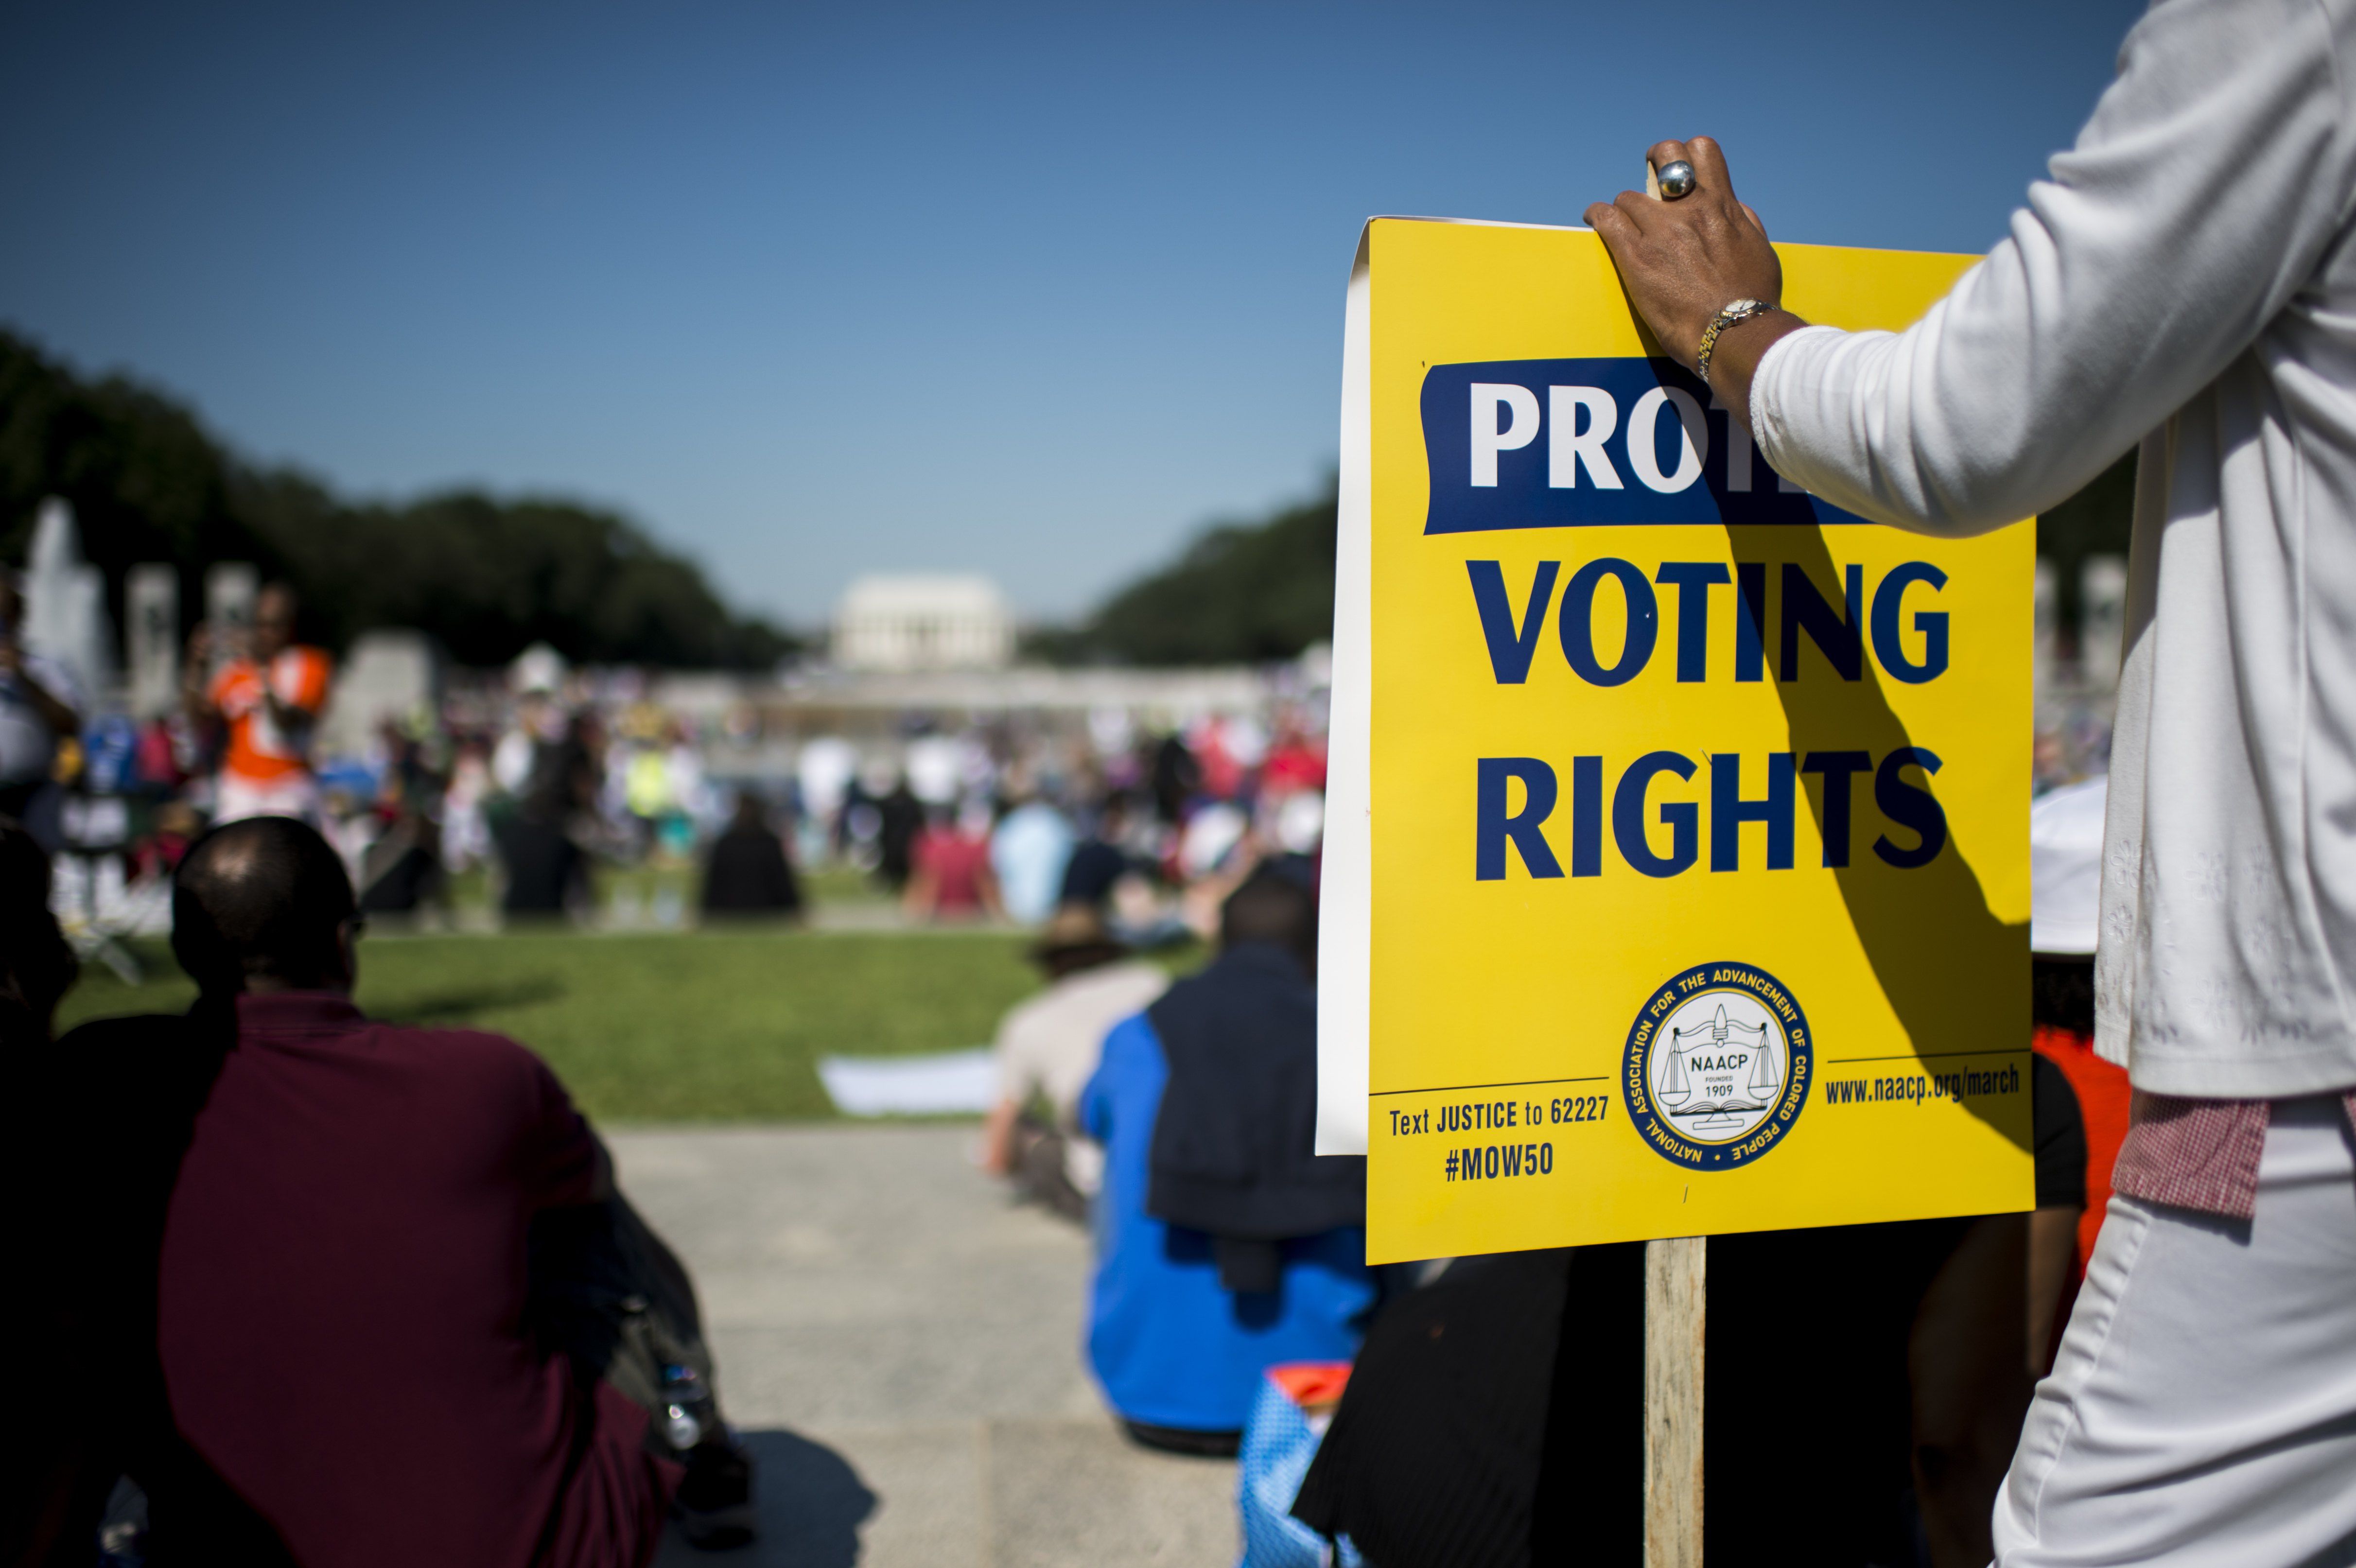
[(607, 1293), (17, 798)]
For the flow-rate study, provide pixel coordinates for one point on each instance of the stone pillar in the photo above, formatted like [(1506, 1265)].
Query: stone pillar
[(230, 588), (2049, 628), (150, 613), (2102, 619)]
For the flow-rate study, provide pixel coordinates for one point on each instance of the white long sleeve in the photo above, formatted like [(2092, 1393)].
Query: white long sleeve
[(2214, 175), (2183, 279)]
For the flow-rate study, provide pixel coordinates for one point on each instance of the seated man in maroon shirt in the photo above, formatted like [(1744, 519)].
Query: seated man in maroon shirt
[(333, 1362)]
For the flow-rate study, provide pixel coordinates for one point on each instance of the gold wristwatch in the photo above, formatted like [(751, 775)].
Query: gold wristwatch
[(1741, 310)]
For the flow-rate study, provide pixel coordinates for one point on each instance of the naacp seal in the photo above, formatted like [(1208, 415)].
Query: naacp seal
[(1718, 1065)]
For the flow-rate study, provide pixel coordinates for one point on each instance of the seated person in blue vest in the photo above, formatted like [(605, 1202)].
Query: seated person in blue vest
[(1225, 1246)]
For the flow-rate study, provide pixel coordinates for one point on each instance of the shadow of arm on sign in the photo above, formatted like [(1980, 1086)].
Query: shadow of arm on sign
[(1917, 904)]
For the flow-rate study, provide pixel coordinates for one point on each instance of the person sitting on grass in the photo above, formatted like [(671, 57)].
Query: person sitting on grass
[(1101, 859), (1224, 1245), (950, 876), (1047, 1049), (337, 1354), (546, 871), (748, 874)]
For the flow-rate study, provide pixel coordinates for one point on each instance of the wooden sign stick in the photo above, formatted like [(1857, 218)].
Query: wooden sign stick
[(1675, 1312)]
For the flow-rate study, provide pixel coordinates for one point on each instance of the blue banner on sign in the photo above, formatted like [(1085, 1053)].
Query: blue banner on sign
[(1591, 443)]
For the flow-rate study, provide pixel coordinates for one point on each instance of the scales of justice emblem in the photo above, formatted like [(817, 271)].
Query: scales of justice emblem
[(1721, 1071)]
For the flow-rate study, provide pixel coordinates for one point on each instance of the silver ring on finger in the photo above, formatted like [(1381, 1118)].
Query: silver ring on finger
[(1675, 178)]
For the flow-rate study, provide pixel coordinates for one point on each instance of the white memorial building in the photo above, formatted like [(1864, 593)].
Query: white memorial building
[(897, 623)]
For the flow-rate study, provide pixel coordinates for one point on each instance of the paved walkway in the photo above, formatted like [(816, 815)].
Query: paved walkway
[(901, 1346)]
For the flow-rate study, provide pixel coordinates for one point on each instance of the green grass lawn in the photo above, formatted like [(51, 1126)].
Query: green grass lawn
[(693, 1026), (842, 885), (640, 885)]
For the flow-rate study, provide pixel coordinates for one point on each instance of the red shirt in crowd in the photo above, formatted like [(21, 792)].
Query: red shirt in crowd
[(957, 864), (1292, 764)]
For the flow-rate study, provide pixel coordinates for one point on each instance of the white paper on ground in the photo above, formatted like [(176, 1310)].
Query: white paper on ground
[(947, 1084)]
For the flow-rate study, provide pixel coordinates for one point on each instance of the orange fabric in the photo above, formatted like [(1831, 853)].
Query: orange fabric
[(2103, 1095), (259, 750), (1312, 1383)]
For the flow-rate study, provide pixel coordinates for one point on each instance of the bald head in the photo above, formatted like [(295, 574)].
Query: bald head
[(263, 905)]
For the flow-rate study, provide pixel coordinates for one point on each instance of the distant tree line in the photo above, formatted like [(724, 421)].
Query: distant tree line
[(1246, 593), (1241, 593), (486, 576)]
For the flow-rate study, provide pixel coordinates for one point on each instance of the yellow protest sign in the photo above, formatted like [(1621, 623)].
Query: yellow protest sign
[(1676, 873)]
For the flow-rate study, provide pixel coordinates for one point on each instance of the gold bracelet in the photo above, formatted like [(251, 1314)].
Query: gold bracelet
[(1741, 310)]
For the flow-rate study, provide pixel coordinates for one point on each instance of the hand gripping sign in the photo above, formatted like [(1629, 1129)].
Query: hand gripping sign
[(1676, 873)]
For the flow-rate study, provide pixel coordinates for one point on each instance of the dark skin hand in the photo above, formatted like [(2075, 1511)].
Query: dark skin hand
[(1683, 262)]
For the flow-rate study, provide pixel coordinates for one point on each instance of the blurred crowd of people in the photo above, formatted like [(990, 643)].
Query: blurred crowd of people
[(520, 788), (514, 791)]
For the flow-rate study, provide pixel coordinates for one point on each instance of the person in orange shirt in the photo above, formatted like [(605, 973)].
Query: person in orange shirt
[(2065, 847), (268, 697)]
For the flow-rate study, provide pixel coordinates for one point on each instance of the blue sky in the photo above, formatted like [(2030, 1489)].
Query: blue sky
[(1033, 290)]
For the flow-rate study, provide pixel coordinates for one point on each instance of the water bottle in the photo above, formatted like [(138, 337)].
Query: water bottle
[(687, 1407)]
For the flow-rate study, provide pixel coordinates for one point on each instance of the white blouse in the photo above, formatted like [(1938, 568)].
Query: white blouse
[(2182, 279)]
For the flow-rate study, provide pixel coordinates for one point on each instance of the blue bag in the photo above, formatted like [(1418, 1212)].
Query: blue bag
[(1280, 1440)]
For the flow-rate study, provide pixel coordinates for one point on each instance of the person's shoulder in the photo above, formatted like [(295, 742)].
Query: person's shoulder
[(112, 1061), (486, 1086), (1209, 980), (1027, 1015), (131, 1033), (462, 1044), (478, 1053), (314, 667), (1137, 974), (1133, 1041), (1129, 1061), (1128, 983)]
